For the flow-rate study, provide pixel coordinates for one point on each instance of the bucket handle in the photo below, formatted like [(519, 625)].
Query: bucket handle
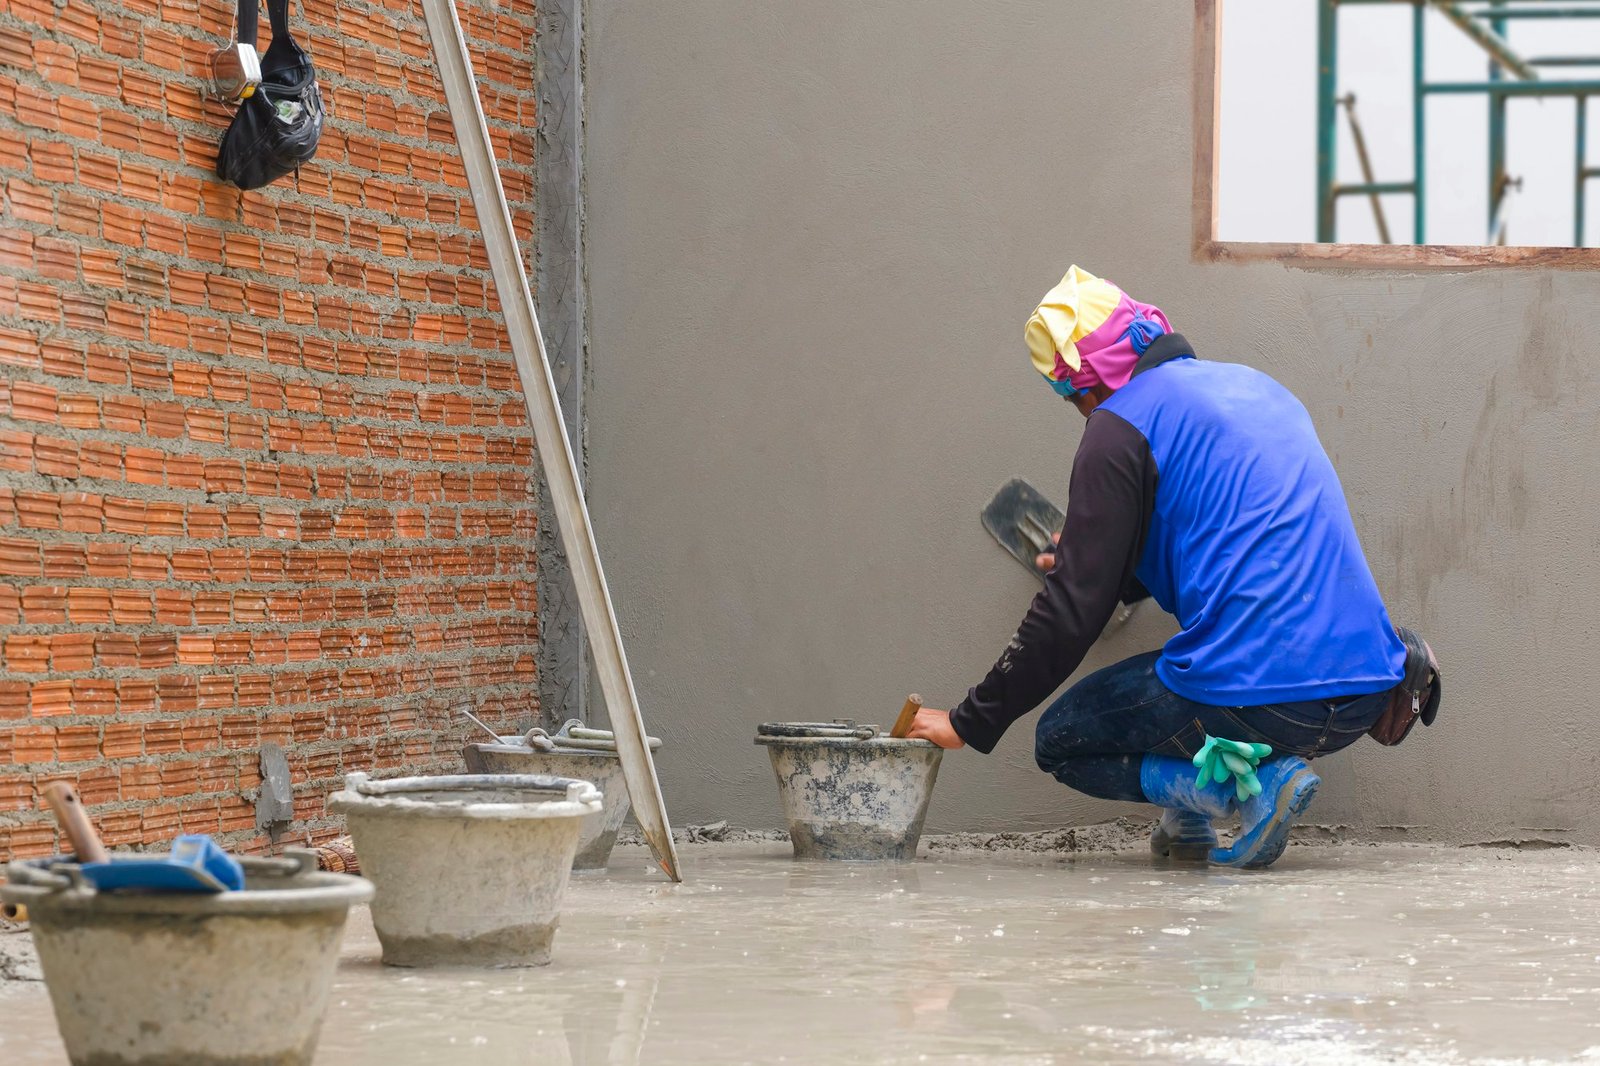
[(55, 879), (570, 788), (292, 863), (60, 876)]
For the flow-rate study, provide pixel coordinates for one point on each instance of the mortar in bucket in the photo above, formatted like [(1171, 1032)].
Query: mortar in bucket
[(199, 978), (575, 751), (470, 870), (848, 792)]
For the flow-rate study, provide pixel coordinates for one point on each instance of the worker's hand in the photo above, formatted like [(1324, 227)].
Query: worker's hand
[(935, 726), (1046, 561)]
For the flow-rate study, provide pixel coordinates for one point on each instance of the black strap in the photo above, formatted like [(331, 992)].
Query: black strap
[(278, 12), (250, 16)]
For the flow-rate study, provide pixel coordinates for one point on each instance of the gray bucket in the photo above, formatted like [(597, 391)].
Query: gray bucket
[(208, 979), (470, 870), (599, 833), (848, 793)]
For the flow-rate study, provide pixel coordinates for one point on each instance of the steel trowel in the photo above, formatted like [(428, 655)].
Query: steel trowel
[(1022, 519)]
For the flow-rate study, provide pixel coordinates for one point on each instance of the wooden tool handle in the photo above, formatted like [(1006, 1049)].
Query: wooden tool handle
[(908, 714), (68, 809)]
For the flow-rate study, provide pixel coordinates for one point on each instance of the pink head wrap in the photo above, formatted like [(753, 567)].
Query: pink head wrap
[(1111, 351)]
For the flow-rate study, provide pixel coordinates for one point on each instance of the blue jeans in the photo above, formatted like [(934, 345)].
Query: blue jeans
[(1094, 738)]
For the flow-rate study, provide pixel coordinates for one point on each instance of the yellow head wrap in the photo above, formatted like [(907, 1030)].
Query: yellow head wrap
[(1068, 313)]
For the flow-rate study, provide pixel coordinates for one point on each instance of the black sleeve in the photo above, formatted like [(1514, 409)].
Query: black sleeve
[(1108, 514)]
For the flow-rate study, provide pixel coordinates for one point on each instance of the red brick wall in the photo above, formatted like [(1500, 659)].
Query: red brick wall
[(264, 473)]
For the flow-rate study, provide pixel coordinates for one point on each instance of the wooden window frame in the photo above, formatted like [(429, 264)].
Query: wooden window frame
[(1207, 248)]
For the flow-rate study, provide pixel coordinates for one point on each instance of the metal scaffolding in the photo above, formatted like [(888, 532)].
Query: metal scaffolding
[(1487, 23)]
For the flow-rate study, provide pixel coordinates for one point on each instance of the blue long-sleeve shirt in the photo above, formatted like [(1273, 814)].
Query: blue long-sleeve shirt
[(1205, 483)]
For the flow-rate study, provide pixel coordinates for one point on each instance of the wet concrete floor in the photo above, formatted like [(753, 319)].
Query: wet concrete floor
[(1338, 955)]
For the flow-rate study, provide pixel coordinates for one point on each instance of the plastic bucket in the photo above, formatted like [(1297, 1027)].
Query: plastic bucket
[(209, 979), (852, 797), (470, 870), (599, 833)]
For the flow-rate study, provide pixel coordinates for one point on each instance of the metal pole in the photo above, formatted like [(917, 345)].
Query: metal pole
[(1369, 188), (555, 450), (1497, 139), (1549, 4), (1327, 126), (1419, 138), (1487, 39), (1580, 181), (1502, 218), (1515, 88), (1540, 13), (1373, 196)]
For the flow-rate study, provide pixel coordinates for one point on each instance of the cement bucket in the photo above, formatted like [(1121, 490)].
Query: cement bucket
[(849, 793), (599, 833), (469, 870), (208, 979)]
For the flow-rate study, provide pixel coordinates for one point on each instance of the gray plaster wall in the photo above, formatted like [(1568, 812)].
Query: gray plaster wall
[(815, 232)]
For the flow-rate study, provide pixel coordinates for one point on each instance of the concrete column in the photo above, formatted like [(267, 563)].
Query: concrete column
[(559, 277)]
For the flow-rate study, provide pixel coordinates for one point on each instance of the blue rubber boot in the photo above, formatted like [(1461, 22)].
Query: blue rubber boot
[(1287, 787), (1169, 782), (1183, 836), (1185, 831)]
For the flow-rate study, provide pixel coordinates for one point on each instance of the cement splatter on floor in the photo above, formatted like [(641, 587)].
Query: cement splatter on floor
[(1348, 955), (18, 960)]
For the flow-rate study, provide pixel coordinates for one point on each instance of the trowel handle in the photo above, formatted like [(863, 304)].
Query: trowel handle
[(74, 822), (908, 715)]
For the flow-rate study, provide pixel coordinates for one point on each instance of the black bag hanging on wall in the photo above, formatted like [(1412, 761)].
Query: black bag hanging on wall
[(276, 128)]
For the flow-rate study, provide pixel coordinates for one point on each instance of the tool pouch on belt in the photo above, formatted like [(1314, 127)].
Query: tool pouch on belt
[(277, 127), (1417, 695)]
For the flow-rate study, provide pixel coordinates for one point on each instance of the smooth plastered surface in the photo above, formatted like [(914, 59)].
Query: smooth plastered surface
[(815, 232), (1351, 956)]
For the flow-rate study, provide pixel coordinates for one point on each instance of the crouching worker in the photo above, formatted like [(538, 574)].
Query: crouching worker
[(1204, 483)]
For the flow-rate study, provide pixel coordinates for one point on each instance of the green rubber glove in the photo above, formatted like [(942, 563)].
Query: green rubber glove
[(1219, 759)]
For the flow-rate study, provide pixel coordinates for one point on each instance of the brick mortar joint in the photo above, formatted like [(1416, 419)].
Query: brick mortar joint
[(285, 285), (248, 365), (209, 450), (280, 284), (303, 28)]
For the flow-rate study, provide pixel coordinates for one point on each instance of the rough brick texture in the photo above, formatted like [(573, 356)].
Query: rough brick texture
[(264, 468)]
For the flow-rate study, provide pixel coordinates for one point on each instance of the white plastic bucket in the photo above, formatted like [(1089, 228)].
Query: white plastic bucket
[(205, 979), (469, 870)]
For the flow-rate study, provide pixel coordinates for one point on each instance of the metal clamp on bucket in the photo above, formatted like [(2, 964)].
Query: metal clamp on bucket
[(481, 791), (839, 727), (154, 872), (572, 736), (574, 750)]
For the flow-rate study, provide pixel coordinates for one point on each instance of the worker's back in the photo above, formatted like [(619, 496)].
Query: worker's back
[(1251, 545)]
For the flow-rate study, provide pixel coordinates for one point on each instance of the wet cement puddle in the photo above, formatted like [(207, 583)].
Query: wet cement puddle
[(1347, 955)]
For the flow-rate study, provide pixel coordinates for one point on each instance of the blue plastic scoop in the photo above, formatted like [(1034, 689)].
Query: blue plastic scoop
[(196, 864)]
